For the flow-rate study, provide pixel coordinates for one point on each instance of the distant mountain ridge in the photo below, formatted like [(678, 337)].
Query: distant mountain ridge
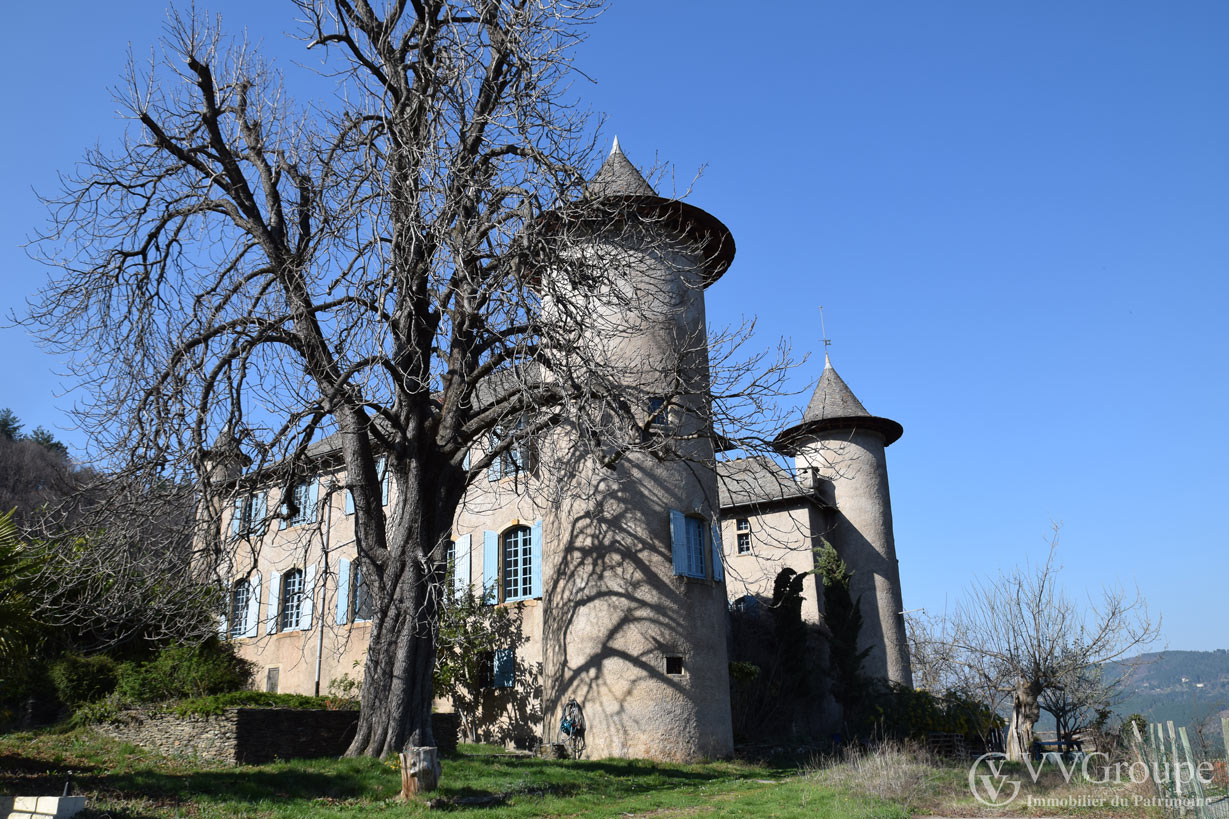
[(1188, 687)]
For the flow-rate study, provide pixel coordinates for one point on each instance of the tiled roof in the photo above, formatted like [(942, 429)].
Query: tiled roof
[(834, 406), (756, 480), (833, 398), (618, 177)]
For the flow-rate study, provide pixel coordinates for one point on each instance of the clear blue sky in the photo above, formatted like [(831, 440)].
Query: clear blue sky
[(1016, 216)]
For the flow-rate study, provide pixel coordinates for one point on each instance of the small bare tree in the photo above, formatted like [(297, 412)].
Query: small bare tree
[(1077, 701), (1021, 636), (412, 271)]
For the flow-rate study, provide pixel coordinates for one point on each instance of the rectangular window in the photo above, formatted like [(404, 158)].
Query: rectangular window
[(302, 498), (674, 664), (659, 416), (302, 502), (503, 674), (240, 597), (248, 516), (743, 526), (450, 564), (362, 595), (694, 528), (509, 462)]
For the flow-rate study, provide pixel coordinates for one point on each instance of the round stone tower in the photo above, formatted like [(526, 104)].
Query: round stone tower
[(634, 593), (840, 447)]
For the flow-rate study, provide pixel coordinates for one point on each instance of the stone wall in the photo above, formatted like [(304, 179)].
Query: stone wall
[(251, 736), (211, 738)]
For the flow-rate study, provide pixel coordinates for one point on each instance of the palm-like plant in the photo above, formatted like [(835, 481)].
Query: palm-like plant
[(19, 631)]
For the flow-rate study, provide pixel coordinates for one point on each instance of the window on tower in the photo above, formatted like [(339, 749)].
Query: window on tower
[(743, 529)]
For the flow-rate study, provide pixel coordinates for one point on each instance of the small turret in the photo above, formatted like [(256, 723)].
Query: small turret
[(841, 446), (225, 460)]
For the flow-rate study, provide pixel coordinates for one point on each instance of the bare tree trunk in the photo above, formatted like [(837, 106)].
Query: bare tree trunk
[(395, 710), (1025, 711)]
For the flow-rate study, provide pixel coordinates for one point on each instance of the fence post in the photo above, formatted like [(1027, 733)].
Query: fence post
[(1201, 804), (1224, 733), (1173, 739)]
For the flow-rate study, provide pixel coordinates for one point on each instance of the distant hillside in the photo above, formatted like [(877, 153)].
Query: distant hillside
[(1184, 686)]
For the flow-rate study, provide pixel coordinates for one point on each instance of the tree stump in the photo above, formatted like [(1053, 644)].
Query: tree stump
[(420, 771)]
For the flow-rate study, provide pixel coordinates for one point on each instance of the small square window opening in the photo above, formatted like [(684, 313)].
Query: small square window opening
[(674, 665)]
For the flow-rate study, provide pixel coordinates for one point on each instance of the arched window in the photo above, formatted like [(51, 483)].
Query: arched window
[(292, 600), (240, 595), (517, 563)]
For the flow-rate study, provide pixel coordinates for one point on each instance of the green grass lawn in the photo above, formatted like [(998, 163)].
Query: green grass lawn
[(124, 781)]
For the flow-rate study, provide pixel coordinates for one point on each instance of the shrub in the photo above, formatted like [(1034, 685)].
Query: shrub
[(102, 710), (79, 680), (344, 693), (902, 712), (217, 703), (178, 671)]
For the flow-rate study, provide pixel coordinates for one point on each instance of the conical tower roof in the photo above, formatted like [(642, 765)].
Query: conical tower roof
[(833, 398), (618, 191), (618, 177), (834, 406)]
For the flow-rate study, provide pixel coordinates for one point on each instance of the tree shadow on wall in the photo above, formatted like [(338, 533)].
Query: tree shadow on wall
[(615, 609), (510, 714)]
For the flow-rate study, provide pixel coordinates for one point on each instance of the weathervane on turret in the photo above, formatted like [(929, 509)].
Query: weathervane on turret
[(824, 330)]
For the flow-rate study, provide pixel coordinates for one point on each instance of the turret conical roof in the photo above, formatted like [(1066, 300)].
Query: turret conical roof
[(618, 177), (834, 406), (833, 398), (618, 191)]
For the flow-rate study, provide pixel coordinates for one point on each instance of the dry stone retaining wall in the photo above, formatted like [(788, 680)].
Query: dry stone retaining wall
[(251, 736)]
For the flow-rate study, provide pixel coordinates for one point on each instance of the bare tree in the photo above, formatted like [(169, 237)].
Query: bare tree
[(1076, 701), (1020, 636), (412, 271)]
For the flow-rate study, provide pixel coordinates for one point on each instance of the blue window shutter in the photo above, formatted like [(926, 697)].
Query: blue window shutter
[(236, 517), (343, 591), (718, 569), (678, 541), (283, 511), (490, 567), (505, 668), (535, 559), (349, 502), (460, 568), (275, 588), (252, 617), (259, 512), (309, 597), (465, 460), (382, 473), (223, 625), (313, 496)]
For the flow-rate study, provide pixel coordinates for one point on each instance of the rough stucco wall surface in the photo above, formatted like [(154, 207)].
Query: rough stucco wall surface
[(780, 539), (855, 463), (614, 607)]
